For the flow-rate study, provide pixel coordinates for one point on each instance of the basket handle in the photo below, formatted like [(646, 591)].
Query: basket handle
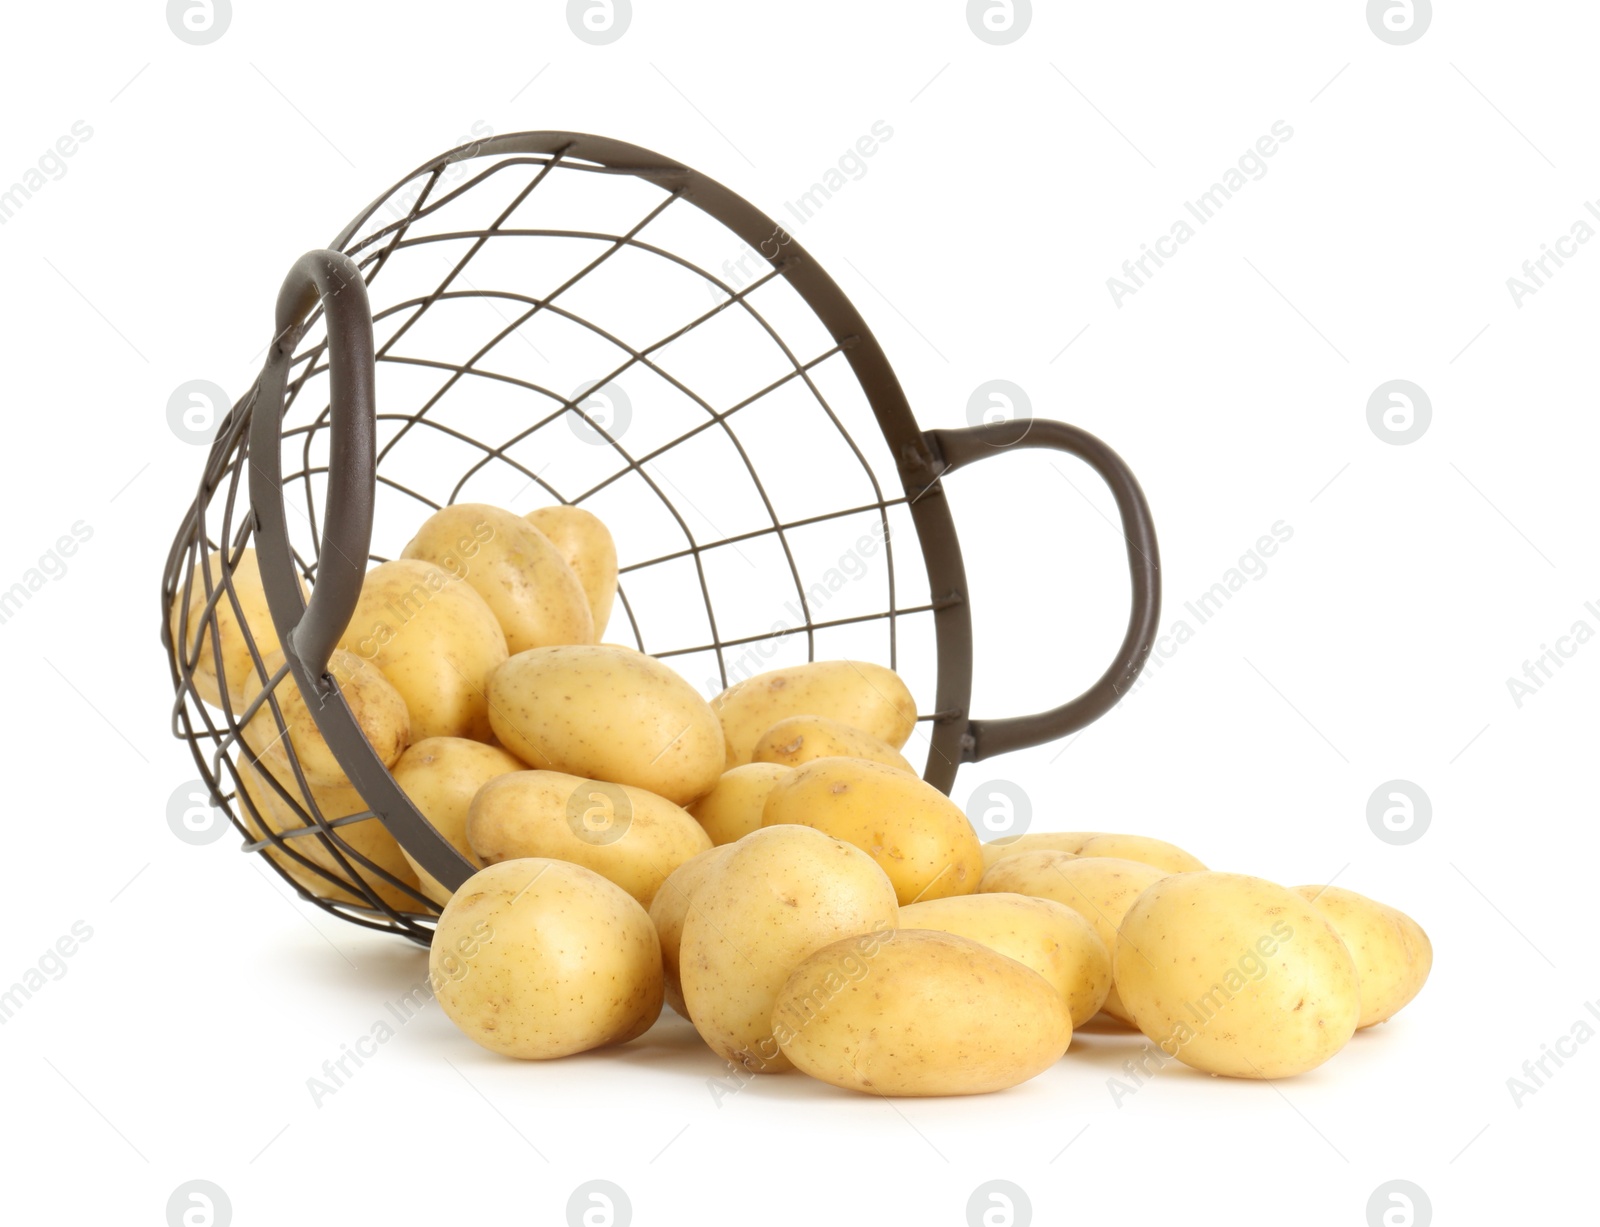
[(986, 738), (309, 631)]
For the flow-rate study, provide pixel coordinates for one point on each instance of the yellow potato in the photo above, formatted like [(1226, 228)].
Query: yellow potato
[(608, 714), (864, 696), (538, 958), (1042, 934), (732, 809), (797, 740), (586, 545), (441, 775), (376, 705), (1095, 843), (1034, 841), (1236, 975), (917, 835), (1100, 889), (436, 641), (670, 908), (631, 837), (917, 1012), (368, 839), (779, 894), (1392, 954), (190, 634), (514, 568)]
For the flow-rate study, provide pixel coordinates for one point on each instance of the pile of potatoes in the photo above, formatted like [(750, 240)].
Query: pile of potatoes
[(768, 863)]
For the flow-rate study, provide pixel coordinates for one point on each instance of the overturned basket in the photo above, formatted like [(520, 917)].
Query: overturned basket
[(573, 319)]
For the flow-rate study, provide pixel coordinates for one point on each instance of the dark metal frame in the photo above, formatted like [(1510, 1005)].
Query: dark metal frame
[(332, 285)]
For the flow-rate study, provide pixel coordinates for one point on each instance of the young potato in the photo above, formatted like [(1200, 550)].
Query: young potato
[(586, 545), (917, 1012), (608, 714), (538, 958), (627, 835), (1034, 841), (1141, 848), (514, 568), (670, 908), (779, 894), (1236, 975), (1392, 954), (732, 809), (368, 839), (1042, 934), (441, 775), (1100, 889), (864, 696), (188, 633), (436, 641), (918, 836), (376, 705), (798, 740)]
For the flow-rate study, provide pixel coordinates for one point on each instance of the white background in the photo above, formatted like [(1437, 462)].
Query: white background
[(178, 1042)]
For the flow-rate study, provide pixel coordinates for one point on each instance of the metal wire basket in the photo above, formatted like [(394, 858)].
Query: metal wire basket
[(568, 318)]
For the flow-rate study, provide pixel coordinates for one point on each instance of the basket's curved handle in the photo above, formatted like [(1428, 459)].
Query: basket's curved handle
[(986, 738), (309, 631)]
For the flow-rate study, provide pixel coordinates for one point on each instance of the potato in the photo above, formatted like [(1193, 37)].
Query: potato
[(915, 1012), (626, 835), (436, 641), (1042, 934), (609, 714), (1100, 889), (732, 809), (1034, 841), (670, 908), (779, 894), (376, 705), (368, 838), (514, 568), (585, 544), (1236, 975), (800, 739), (1141, 848), (864, 696), (1392, 954), (237, 664), (918, 836), (441, 775), (538, 958)]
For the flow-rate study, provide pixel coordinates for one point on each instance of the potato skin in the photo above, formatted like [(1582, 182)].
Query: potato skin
[(540, 958), (670, 908), (1236, 975), (627, 835), (1140, 848), (1042, 934), (918, 836), (779, 894), (237, 663), (797, 740), (436, 641), (919, 1013), (376, 705), (521, 576), (863, 695), (1100, 889), (369, 838), (441, 775), (585, 544), (732, 809), (607, 714), (1393, 955)]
